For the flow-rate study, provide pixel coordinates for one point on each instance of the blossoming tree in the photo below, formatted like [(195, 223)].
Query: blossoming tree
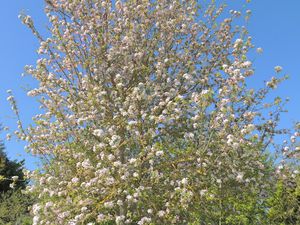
[(147, 118)]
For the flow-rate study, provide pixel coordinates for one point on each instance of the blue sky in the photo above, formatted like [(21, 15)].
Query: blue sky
[(274, 26)]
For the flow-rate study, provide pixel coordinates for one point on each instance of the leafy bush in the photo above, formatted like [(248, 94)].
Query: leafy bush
[(14, 208)]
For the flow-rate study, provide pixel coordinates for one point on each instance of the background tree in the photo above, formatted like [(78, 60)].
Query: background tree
[(147, 118), (11, 174), (14, 205)]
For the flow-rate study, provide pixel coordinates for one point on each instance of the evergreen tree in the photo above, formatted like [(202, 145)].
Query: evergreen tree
[(11, 173), (14, 204)]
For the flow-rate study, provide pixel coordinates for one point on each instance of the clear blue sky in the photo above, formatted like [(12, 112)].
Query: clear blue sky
[(275, 26)]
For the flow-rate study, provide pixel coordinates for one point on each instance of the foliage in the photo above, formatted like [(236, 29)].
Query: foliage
[(14, 205), (285, 203), (11, 174), (147, 118), (14, 208)]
